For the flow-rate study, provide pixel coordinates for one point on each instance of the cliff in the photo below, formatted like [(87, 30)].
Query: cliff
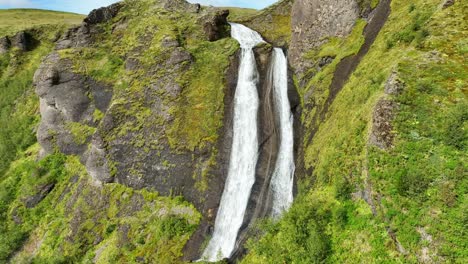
[(116, 133)]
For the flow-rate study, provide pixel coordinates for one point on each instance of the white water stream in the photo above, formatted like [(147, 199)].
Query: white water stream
[(282, 181), (245, 146), (244, 153)]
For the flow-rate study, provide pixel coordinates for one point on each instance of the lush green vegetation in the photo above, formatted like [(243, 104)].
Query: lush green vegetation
[(51, 211), (14, 20), (418, 188), (76, 220), (18, 103), (273, 22)]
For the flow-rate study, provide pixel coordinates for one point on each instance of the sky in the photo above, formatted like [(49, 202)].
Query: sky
[(85, 6)]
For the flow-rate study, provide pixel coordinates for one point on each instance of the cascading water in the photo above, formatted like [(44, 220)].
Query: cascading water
[(244, 153), (282, 180)]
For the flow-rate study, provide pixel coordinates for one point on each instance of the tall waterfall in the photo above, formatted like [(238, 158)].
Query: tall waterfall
[(244, 153), (282, 181)]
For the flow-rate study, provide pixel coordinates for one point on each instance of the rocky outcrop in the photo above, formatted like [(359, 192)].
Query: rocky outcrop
[(382, 135), (5, 45), (66, 98), (382, 130), (103, 14), (216, 26), (82, 35), (314, 21), (22, 41)]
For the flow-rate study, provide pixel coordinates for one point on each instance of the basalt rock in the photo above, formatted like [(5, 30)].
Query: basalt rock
[(216, 26), (82, 35), (103, 14), (314, 21), (22, 41), (382, 129), (65, 98)]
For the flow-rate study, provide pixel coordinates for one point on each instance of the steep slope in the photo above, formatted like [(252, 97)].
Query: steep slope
[(124, 96), (385, 164)]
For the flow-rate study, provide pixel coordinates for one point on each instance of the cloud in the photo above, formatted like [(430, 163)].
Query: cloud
[(16, 3)]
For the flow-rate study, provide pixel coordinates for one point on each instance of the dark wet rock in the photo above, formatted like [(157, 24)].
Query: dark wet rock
[(43, 191), (216, 26), (5, 45), (103, 14), (448, 3), (382, 129)]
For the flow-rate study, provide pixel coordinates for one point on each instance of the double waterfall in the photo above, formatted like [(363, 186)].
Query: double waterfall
[(245, 146)]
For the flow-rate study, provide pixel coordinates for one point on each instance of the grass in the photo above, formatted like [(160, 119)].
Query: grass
[(417, 184), (273, 22), (14, 20), (18, 103), (81, 217)]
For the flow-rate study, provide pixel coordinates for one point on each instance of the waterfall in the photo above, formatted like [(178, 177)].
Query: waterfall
[(282, 180), (244, 153)]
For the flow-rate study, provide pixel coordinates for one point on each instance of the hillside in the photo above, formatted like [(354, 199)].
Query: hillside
[(117, 132), (14, 20)]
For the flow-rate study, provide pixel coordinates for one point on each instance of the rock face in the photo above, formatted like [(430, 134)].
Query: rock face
[(5, 45), (216, 26), (22, 41), (66, 98), (313, 21), (82, 35), (382, 130), (103, 14), (128, 143)]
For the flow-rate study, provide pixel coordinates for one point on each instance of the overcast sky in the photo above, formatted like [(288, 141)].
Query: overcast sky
[(85, 6)]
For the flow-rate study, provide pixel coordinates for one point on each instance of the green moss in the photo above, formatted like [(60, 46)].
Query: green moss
[(18, 102), (200, 109), (80, 132), (416, 184), (273, 22), (97, 115), (128, 224)]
